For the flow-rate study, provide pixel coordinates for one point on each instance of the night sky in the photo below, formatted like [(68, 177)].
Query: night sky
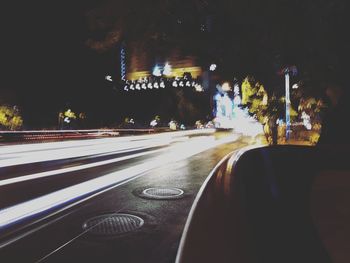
[(50, 60)]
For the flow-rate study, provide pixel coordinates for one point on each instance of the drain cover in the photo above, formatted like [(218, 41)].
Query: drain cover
[(113, 224), (162, 193)]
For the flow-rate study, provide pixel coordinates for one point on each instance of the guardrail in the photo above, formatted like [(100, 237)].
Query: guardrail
[(36, 135), (53, 135)]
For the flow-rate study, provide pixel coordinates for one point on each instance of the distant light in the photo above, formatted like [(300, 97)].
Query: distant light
[(156, 71), (188, 84), (109, 78), (132, 87), (149, 86), (226, 87), (174, 83), (153, 123), (306, 120), (155, 85), (193, 83), (162, 85), (167, 69), (138, 87), (126, 88), (212, 67), (295, 86), (181, 84), (199, 88), (144, 86)]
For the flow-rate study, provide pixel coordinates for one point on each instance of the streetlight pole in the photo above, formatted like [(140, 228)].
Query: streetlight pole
[(288, 71), (287, 105)]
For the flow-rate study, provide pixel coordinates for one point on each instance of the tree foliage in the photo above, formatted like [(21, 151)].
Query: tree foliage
[(10, 118)]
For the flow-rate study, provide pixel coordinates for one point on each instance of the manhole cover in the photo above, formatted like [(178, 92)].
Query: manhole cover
[(162, 193), (113, 224)]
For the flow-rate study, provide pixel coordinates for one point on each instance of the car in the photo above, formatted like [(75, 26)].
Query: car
[(272, 204)]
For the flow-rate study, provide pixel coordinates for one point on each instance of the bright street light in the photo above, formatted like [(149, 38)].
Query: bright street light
[(156, 71), (212, 67), (109, 78), (295, 86)]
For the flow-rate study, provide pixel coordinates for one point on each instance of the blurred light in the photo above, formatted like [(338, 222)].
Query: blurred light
[(181, 84), (138, 87), (109, 78), (126, 88), (174, 83), (172, 125), (155, 85), (167, 69), (212, 67), (162, 85), (193, 83), (188, 84), (149, 86), (144, 86), (132, 87), (199, 88), (306, 120), (153, 123), (156, 71), (226, 87), (295, 86)]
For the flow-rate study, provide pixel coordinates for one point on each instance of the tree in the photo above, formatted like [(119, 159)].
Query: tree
[(10, 118), (66, 118), (266, 109)]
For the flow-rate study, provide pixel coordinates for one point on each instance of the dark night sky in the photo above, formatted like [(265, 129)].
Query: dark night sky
[(47, 65)]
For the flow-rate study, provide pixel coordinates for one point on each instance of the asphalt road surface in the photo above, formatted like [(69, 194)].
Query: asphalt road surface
[(85, 201)]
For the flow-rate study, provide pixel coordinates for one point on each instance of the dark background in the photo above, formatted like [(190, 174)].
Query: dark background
[(49, 64)]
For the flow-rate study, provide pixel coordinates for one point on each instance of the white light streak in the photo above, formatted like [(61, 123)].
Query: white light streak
[(73, 193)]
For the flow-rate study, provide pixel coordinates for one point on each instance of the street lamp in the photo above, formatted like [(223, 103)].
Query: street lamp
[(292, 70)]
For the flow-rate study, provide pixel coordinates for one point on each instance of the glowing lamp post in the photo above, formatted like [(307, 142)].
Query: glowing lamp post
[(287, 72)]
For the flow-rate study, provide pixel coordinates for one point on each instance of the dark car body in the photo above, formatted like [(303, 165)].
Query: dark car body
[(273, 204)]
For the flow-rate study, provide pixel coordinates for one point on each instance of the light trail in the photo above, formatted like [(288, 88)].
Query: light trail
[(73, 169), (25, 154), (93, 187)]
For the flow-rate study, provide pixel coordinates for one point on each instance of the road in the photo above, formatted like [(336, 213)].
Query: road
[(50, 191)]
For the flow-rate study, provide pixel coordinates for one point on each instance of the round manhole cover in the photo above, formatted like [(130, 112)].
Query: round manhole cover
[(162, 193), (113, 224)]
